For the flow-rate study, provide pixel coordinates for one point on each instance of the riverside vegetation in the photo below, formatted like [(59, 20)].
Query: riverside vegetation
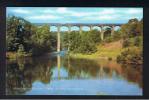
[(26, 39)]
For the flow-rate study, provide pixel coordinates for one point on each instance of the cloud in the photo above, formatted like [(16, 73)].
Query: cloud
[(69, 12), (108, 11), (105, 17), (115, 14), (62, 10), (81, 14), (47, 11), (21, 11), (43, 17), (134, 11), (64, 14)]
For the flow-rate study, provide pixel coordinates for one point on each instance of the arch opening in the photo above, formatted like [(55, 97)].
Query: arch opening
[(96, 28), (53, 28), (74, 28), (85, 28), (64, 29)]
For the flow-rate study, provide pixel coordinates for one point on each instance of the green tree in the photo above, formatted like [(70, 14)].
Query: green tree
[(41, 40), (18, 30)]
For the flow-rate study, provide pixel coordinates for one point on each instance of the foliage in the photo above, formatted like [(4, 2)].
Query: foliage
[(18, 32), (41, 40), (126, 43), (109, 39), (21, 48), (22, 36), (132, 28), (117, 35), (138, 41), (84, 42), (135, 41), (109, 58), (131, 56)]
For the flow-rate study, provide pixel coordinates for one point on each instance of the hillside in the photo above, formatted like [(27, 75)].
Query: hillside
[(109, 50), (104, 51)]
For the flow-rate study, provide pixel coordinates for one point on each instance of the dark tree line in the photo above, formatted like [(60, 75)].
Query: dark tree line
[(23, 36)]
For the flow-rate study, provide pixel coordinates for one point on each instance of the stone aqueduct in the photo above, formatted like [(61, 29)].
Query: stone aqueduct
[(80, 25)]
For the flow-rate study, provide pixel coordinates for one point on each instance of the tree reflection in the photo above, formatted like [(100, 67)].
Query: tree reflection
[(81, 68), (133, 74), (22, 73)]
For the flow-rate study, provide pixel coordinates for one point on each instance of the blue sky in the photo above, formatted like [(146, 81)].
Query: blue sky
[(75, 14)]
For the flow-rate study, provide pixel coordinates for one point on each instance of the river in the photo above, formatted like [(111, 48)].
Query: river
[(63, 75)]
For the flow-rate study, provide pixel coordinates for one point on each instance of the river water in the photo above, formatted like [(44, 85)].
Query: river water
[(63, 75)]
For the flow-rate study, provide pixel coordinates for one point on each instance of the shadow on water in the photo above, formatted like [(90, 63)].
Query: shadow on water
[(23, 74)]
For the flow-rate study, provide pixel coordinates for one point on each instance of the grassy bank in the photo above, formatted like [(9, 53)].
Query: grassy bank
[(104, 51)]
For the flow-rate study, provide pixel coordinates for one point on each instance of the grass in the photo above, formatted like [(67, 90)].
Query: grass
[(79, 55)]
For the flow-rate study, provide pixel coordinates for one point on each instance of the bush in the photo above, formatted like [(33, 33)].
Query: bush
[(109, 58), (131, 56), (126, 43), (137, 41), (108, 39)]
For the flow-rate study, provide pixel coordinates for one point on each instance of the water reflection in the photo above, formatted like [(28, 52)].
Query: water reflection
[(63, 75)]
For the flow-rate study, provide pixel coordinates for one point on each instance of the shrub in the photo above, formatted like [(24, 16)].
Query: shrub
[(131, 56), (126, 43), (109, 39), (137, 41), (109, 58)]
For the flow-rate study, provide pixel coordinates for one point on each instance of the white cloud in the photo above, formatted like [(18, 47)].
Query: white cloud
[(68, 14), (21, 11), (47, 11), (43, 17), (84, 14), (62, 10), (134, 11), (81, 14), (108, 11), (103, 17)]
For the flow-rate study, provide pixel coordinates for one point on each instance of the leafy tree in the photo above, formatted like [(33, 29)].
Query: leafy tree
[(84, 42), (22, 34), (95, 36), (132, 28), (138, 41), (16, 32), (41, 40)]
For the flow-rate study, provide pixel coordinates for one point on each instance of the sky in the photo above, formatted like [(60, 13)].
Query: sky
[(75, 14)]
